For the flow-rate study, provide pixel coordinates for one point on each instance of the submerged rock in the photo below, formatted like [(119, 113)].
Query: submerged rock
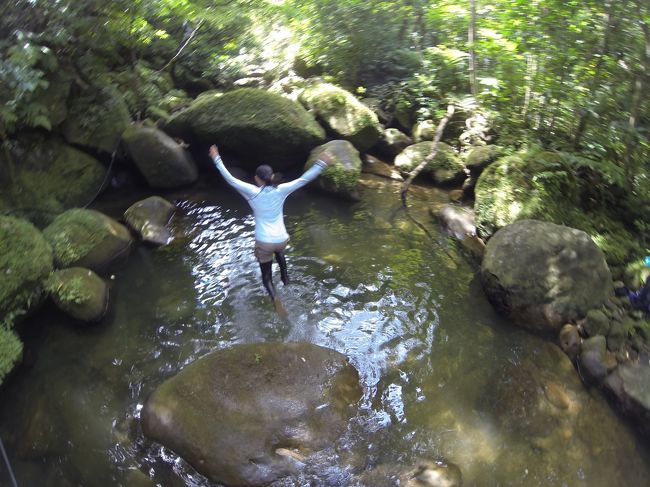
[(149, 218), (372, 165), (342, 114), (445, 168), (542, 275), (160, 159), (229, 413), (342, 176), (87, 238), (80, 293), (254, 124)]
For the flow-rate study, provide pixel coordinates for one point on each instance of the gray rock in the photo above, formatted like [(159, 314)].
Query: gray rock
[(424, 130), (392, 142), (372, 165), (160, 159), (234, 413), (594, 359), (617, 335), (543, 275), (629, 384), (445, 168), (80, 293), (149, 218)]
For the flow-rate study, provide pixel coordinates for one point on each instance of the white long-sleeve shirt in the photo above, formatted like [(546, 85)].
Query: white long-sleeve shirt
[(267, 202)]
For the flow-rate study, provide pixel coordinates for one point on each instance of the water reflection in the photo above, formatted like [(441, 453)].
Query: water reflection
[(443, 376)]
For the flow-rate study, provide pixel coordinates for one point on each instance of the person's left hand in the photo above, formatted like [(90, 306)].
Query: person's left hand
[(213, 152)]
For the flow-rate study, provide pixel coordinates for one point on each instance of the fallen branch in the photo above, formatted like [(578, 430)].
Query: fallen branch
[(189, 39), (434, 150)]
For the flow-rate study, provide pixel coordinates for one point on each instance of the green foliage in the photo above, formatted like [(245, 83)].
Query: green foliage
[(11, 351), (68, 290)]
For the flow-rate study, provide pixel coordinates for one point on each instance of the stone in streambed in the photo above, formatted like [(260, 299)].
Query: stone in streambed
[(230, 412), (80, 293), (148, 218), (342, 176)]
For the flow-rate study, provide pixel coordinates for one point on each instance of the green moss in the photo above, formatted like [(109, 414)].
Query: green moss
[(74, 234), (26, 261), (11, 351), (341, 177), (479, 157), (444, 167), (68, 290)]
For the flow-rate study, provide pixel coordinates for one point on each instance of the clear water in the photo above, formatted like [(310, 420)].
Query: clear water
[(444, 376)]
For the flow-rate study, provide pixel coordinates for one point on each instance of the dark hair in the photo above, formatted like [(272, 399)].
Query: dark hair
[(265, 173)]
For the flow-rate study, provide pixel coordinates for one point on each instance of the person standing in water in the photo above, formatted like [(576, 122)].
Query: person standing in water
[(267, 202)]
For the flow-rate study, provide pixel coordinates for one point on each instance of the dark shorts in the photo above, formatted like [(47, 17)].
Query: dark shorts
[(264, 251)]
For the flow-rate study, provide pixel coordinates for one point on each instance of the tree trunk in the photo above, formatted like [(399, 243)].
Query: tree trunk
[(434, 150), (471, 31)]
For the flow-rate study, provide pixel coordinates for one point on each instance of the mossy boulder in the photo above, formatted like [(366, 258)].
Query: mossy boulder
[(49, 177), (11, 351), (480, 157), (544, 186), (235, 413), (87, 238), (25, 263), (542, 275), (160, 159), (342, 176), (445, 168), (96, 119), (79, 292), (424, 130), (149, 218), (55, 97), (342, 114), (254, 124)]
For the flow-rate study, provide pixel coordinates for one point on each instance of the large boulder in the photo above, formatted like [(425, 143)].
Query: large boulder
[(543, 275), (254, 124), (238, 415), (96, 119), (392, 142), (87, 238), (629, 385), (79, 292), (160, 159), (25, 261), (342, 114), (342, 176), (149, 218), (49, 177), (445, 168), (545, 186)]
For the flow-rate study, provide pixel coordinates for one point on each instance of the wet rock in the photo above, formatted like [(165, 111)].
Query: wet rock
[(148, 218), (458, 222), (228, 413), (596, 323), (372, 165), (478, 158), (445, 168), (629, 385), (433, 474), (341, 177), (342, 114), (392, 142), (594, 359), (542, 275), (87, 238), (570, 340), (160, 159), (254, 124), (80, 293)]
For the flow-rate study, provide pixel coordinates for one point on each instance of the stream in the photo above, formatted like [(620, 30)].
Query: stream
[(445, 378)]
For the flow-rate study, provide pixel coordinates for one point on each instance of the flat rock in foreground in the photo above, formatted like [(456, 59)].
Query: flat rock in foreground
[(234, 413)]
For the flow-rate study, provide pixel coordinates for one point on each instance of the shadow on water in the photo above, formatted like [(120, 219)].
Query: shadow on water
[(444, 377)]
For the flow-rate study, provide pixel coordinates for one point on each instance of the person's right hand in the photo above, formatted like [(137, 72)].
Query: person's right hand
[(213, 152)]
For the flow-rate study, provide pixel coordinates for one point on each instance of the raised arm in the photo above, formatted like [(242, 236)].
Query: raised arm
[(247, 190), (312, 173)]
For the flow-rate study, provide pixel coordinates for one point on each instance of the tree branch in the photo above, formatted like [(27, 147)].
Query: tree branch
[(189, 39), (434, 150)]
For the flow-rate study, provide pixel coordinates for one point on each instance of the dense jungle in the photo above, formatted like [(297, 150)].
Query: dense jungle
[(469, 277)]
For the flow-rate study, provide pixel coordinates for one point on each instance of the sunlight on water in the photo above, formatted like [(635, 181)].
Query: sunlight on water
[(444, 378)]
